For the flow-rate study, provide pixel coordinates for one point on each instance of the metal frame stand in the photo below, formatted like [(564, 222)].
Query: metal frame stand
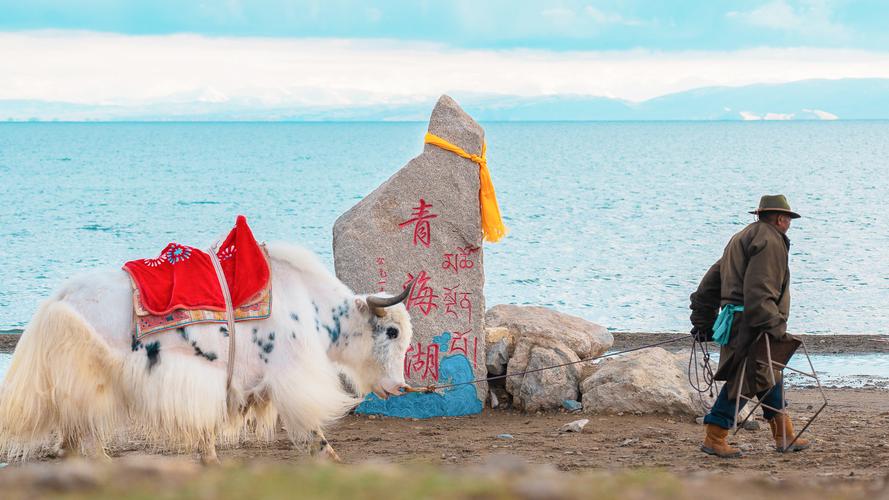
[(772, 365)]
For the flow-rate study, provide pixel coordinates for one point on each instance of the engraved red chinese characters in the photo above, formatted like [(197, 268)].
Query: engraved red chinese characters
[(420, 219), (422, 362), (422, 296)]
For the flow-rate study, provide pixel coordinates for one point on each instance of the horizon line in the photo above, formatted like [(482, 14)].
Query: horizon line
[(653, 120)]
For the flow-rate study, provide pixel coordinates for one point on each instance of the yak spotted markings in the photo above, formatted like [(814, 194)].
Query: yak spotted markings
[(153, 352), (317, 317), (136, 344), (294, 317), (337, 314), (266, 346), (209, 356)]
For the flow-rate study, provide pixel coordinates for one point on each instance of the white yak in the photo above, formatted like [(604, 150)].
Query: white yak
[(79, 377)]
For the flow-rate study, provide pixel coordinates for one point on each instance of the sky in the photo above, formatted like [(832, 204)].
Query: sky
[(365, 53)]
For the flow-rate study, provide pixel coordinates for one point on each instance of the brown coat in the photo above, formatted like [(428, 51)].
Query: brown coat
[(754, 272)]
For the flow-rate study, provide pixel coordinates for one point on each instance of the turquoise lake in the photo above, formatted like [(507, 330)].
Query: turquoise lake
[(615, 222)]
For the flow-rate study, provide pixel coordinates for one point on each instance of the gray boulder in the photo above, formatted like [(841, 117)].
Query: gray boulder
[(537, 337), (499, 345), (647, 381), (497, 357), (545, 326), (544, 389)]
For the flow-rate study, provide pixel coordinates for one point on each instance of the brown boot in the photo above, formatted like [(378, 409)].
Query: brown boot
[(782, 428), (715, 443)]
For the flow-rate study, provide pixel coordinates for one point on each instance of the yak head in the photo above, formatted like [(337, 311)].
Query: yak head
[(372, 351)]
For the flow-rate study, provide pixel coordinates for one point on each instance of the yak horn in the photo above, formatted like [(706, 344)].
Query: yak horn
[(378, 304)]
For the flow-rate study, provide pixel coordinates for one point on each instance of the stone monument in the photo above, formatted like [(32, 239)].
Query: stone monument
[(424, 223)]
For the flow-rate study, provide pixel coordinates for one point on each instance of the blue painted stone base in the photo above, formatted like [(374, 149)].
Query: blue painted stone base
[(454, 402)]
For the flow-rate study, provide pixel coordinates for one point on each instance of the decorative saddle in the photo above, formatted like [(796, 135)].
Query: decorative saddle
[(181, 286)]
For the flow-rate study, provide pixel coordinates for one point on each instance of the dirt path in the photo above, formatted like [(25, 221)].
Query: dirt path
[(849, 459), (850, 441)]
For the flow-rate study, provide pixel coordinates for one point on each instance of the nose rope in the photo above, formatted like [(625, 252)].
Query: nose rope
[(704, 382), (433, 387)]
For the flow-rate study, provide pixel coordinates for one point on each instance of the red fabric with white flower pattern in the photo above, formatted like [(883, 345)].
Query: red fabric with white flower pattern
[(182, 277)]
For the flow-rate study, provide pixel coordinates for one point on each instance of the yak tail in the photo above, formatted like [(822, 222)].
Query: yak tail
[(61, 386)]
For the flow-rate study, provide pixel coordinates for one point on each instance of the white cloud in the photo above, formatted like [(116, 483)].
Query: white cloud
[(777, 14), (212, 95), (589, 18), (559, 14), (808, 17), (602, 17), (822, 115), (92, 68)]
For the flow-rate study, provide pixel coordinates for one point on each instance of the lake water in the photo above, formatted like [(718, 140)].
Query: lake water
[(615, 222)]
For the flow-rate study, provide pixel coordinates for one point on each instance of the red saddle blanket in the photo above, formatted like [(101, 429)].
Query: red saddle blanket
[(183, 277)]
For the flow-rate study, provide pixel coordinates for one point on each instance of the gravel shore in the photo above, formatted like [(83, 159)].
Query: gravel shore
[(816, 344)]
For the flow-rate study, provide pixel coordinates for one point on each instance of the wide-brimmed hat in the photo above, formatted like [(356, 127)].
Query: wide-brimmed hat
[(775, 203)]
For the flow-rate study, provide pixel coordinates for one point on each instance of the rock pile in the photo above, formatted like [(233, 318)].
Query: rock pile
[(524, 338)]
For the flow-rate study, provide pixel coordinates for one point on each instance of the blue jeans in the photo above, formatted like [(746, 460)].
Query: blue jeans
[(723, 411)]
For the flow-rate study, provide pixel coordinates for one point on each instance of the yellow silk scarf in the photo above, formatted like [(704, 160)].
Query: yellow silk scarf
[(492, 224)]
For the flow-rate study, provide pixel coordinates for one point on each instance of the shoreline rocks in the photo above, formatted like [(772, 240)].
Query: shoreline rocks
[(547, 388), (531, 338), (642, 382)]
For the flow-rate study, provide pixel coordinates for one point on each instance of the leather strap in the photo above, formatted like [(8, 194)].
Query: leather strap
[(230, 318)]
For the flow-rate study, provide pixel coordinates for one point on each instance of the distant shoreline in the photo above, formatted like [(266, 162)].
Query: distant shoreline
[(816, 344), (201, 121), (809, 100)]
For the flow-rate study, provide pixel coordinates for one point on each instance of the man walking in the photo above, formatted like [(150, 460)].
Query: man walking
[(750, 283)]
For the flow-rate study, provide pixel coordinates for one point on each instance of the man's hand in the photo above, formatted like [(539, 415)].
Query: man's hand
[(702, 335)]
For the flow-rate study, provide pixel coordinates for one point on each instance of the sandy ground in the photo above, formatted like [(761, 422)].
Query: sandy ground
[(850, 441), (618, 456)]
